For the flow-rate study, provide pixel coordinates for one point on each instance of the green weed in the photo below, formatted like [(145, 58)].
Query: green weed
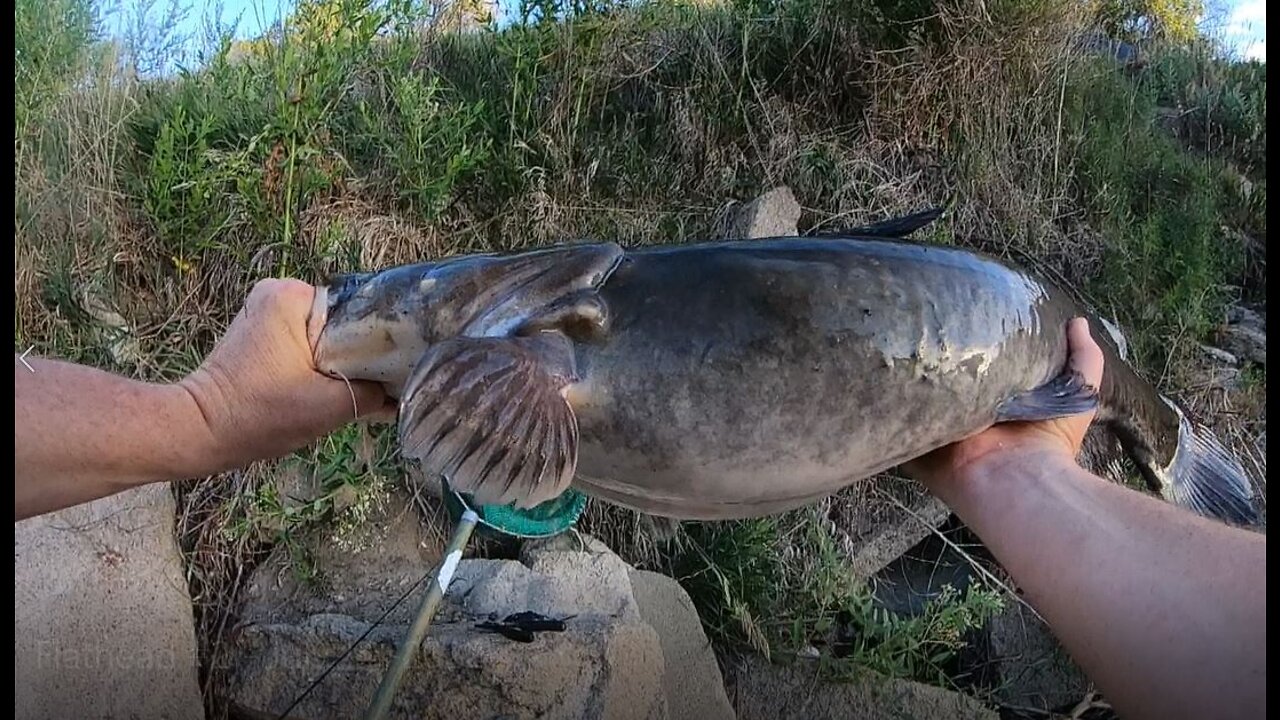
[(1160, 209), (429, 140), (337, 485), (781, 585)]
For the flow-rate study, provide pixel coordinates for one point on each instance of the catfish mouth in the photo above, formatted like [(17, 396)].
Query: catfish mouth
[(316, 321)]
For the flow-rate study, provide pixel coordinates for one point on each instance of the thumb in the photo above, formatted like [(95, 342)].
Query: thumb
[(1086, 355)]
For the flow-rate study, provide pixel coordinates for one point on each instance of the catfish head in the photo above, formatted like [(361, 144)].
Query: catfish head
[(377, 326)]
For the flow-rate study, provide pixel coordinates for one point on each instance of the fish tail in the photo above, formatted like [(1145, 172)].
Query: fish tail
[(1204, 477), (1180, 459)]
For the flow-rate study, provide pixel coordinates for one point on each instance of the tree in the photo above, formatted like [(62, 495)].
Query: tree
[(1134, 20)]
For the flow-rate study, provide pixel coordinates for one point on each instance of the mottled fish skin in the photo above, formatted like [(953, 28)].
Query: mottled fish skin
[(378, 325), (744, 378)]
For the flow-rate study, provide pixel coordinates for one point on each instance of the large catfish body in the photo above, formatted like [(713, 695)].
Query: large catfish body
[(734, 379)]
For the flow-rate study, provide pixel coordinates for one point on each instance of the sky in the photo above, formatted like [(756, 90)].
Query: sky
[(1246, 28), (1242, 24)]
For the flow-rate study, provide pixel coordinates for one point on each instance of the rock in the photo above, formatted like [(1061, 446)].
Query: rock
[(691, 677), (600, 667), (1245, 335), (608, 663), (774, 214), (1242, 315), (572, 541), (762, 691), (554, 583), (906, 585), (1031, 669), (103, 624), (113, 329), (605, 664), (397, 548), (1015, 654), (1220, 356)]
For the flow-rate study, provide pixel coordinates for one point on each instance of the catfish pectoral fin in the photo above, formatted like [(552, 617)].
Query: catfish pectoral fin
[(488, 414)]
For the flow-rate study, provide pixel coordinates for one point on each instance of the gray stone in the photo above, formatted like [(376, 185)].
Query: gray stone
[(762, 691), (1245, 335), (774, 214), (103, 624), (691, 678), (1219, 355), (1032, 669), (571, 541), (553, 584), (600, 667), (908, 584), (396, 548), (608, 663), (1242, 315)]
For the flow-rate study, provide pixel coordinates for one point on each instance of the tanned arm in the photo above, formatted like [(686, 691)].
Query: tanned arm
[(1166, 611), (82, 433)]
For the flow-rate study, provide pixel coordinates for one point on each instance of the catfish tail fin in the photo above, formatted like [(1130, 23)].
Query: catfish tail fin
[(1205, 478), (1179, 458)]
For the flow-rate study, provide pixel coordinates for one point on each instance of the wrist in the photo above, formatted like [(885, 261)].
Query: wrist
[(198, 449), (1002, 464)]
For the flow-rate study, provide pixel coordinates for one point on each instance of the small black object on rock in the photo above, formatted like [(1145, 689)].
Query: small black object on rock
[(521, 626)]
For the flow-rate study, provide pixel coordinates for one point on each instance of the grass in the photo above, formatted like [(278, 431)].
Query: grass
[(336, 486), (360, 135), (782, 586)]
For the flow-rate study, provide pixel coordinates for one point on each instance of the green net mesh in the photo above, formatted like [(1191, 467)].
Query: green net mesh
[(550, 518)]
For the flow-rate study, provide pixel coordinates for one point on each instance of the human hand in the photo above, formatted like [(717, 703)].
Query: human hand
[(259, 391), (1061, 437)]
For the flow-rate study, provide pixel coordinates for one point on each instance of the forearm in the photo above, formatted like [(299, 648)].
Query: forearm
[(81, 434), (1161, 608)]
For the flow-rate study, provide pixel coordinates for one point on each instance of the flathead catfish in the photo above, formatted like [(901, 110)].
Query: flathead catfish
[(734, 379)]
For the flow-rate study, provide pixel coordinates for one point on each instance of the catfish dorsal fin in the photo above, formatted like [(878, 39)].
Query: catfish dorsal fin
[(488, 414), (893, 228)]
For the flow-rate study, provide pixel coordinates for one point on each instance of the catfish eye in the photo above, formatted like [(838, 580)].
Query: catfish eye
[(342, 287)]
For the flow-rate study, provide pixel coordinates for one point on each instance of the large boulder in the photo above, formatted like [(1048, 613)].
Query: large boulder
[(691, 679), (102, 623), (608, 662), (601, 666)]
